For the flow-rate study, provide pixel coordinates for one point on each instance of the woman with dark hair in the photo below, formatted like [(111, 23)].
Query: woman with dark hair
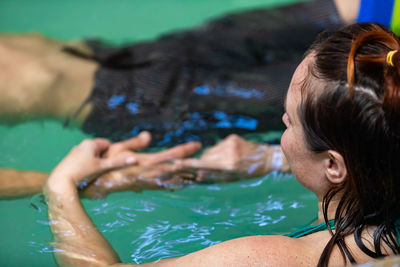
[(358, 99), (342, 142)]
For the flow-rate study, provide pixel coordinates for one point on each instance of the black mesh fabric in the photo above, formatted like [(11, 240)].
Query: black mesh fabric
[(229, 75)]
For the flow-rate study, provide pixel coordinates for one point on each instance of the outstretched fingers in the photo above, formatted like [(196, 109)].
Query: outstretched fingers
[(180, 151), (136, 143), (139, 142), (118, 161), (100, 145)]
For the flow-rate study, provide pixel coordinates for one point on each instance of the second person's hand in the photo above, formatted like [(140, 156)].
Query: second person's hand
[(151, 171), (236, 158)]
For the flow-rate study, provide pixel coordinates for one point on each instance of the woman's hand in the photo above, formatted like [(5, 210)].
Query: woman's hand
[(84, 163), (77, 240), (151, 171), (235, 158)]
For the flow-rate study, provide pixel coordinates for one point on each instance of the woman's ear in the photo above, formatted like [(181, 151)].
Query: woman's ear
[(335, 167)]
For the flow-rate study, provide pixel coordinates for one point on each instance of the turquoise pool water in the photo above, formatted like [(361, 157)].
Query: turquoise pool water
[(141, 226)]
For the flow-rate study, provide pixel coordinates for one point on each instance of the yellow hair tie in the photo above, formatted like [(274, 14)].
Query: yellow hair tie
[(389, 57)]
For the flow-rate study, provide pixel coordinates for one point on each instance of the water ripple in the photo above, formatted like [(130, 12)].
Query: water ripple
[(163, 239), (205, 211)]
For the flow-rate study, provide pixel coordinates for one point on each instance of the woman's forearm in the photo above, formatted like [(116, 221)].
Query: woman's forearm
[(77, 241), (14, 183)]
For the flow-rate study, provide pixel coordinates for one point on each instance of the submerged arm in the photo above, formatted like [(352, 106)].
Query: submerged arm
[(15, 183)]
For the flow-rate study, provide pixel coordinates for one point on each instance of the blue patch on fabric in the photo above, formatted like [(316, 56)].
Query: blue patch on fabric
[(133, 108), (194, 116), (224, 124), (202, 90), (196, 121), (246, 123), (220, 115), (115, 101), (135, 131), (229, 90), (234, 121), (247, 93)]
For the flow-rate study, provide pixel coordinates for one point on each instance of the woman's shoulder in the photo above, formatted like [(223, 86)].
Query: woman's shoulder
[(277, 250), (251, 251)]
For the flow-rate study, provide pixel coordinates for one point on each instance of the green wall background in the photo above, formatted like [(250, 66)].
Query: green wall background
[(115, 20)]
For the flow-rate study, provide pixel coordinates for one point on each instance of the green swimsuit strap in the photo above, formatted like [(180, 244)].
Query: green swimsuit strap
[(310, 229), (397, 227)]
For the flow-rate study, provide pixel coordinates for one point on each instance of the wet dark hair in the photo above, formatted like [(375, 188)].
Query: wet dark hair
[(357, 113)]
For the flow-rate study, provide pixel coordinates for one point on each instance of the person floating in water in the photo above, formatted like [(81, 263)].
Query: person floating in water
[(342, 142), (227, 76)]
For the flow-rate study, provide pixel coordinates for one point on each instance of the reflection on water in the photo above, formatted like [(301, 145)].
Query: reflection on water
[(163, 239)]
